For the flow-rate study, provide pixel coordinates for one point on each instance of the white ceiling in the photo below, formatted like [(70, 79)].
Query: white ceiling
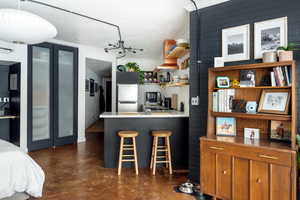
[(144, 23), (102, 68)]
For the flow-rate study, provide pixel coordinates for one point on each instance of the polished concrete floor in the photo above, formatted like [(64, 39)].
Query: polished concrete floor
[(75, 172)]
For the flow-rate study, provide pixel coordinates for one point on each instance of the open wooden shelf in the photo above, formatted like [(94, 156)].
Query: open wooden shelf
[(9, 117), (252, 66), (178, 52), (166, 68), (174, 84), (258, 87), (257, 116)]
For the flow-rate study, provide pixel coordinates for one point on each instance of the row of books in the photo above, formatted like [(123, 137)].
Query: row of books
[(281, 76), (222, 100)]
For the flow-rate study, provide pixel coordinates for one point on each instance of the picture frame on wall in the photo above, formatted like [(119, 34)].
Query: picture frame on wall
[(225, 126), (275, 101), (236, 43), (280, 131), (269, 35)]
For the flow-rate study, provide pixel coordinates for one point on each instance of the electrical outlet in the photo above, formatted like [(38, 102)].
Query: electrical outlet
[(195, 101)]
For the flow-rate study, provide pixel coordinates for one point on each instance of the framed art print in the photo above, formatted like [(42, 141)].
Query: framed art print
[(223, 82), (236, 43), (269, 35), (280, 130), (225, 126), (274, 101)]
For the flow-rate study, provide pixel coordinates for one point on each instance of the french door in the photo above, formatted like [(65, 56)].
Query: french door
[(52, 95)]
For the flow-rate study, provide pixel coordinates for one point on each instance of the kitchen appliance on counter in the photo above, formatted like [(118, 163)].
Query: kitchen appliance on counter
[(127, 97), (168, 103), (153, 98)]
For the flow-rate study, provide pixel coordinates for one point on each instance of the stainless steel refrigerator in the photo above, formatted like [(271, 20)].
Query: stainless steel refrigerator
[(127, 97)]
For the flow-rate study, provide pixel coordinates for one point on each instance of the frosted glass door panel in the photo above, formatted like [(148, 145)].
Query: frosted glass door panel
[(65, 93), (40, 93)]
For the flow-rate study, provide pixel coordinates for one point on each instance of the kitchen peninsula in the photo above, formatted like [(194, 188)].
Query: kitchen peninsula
[(144, 123)]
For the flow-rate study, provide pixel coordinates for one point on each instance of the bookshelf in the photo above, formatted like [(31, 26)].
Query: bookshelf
[(231, 164), (253, 94)]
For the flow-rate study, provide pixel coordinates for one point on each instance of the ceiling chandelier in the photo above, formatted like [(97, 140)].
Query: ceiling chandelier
[(119, 47), (23, 27)]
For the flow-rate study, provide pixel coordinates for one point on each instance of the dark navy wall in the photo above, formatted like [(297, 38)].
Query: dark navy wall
[(213, 20), (4, 123)]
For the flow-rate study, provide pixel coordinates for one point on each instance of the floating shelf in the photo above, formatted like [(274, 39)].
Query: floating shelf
[(258, 87), (174, 84), (257, 116), (178, 52), (167, 68)]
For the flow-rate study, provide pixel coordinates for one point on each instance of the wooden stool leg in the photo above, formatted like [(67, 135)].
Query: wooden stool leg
[(135, 157), (155, 154), (120, 156), (166, 153), (169, 155), (152, 154)]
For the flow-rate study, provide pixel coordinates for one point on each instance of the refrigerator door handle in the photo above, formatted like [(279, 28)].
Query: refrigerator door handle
[(127, 102)]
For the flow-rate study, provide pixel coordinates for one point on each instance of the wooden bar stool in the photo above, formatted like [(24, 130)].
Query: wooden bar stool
[(128, 147), (166, 158)]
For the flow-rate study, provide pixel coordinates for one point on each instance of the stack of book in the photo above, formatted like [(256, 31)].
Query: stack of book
[(222, 100), (281, 76)]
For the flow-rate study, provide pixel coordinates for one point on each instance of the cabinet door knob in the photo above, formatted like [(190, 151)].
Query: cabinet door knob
[(224, 172), (258, 180)]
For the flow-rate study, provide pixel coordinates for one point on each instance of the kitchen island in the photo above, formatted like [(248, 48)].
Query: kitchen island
[(144, 123)]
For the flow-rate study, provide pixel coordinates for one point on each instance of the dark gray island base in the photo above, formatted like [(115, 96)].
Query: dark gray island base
[(144, 125)]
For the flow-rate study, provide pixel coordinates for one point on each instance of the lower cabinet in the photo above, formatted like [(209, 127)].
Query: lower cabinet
[(237, 172)]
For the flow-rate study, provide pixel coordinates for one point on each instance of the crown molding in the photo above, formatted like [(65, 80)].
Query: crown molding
[(203, 4)]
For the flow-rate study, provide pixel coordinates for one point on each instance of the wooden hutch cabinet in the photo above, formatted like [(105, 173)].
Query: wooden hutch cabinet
[(234, 169)]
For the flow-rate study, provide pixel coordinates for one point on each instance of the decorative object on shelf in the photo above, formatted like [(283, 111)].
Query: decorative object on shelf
[(219, 62), (269, 57), (87, 85), (280, 130), (134, 67), (235, 83), (236, 43), (121, 68), (182, 43), (251, 107), (265, 80), (239, 105), (286, 53), (247, 78), (251, 133), (274, 101), (225, 126), (223, 82), (150, 77), (34, 28), (269, 35)]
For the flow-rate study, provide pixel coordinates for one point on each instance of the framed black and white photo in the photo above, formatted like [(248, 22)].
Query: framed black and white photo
[(275, 101), (269, 35), (236, 43)]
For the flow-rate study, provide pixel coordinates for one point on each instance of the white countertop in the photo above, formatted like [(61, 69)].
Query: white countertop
[(164, 114)]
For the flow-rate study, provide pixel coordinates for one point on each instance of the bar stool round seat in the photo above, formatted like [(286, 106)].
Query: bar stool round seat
[(128, 152), (161, 133), (128, 133)]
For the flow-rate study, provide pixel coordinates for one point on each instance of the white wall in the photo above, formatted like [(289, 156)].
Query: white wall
[(20, 55), (92, 110)]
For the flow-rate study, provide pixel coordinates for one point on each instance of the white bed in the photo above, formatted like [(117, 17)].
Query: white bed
[(19, 173)]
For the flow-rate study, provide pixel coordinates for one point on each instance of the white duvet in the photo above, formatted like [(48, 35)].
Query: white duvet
[(19, 172)]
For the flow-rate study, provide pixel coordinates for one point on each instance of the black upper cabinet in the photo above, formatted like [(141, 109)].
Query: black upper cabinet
[(127, 78)]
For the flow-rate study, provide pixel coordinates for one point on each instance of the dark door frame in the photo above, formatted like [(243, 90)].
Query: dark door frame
[(52, 141)]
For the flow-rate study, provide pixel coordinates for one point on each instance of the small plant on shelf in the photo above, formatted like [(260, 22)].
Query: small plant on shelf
[(286, 52), (134, 67)]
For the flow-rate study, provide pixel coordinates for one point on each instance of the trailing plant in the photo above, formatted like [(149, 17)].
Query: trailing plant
[(290, 47), (134, 67)]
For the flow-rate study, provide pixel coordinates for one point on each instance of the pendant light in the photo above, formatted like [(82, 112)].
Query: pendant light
[(23, 27)]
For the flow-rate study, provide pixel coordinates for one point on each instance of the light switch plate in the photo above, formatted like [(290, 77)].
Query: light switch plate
[(195, 101)]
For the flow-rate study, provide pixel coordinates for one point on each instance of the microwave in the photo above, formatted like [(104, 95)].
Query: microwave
[(153, 98)]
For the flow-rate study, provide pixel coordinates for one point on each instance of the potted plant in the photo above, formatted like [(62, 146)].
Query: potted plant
[(286, 53), (134, 67)]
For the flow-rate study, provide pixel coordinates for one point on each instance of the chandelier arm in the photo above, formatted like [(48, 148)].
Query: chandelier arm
[(78, 14)]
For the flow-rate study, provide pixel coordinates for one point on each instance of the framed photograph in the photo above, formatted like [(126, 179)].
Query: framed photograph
[(92, 87), (236, 43), (280, 130), (225, 126), (269, 35), (247, 78), (275, 101), (223, 82), (251, 133)]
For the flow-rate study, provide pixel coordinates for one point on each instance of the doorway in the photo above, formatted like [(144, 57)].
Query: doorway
[(52, 95), (98, 93)]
